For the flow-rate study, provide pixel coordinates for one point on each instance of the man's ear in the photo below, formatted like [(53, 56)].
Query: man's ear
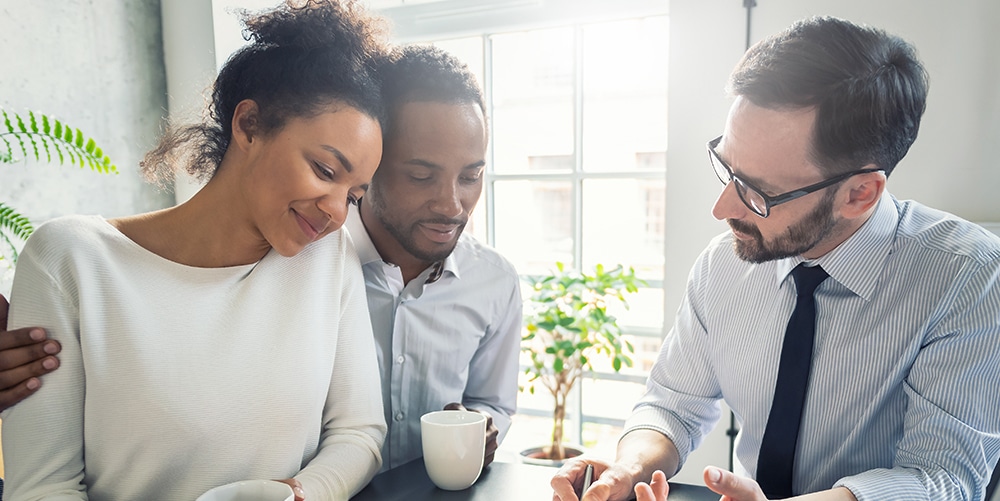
[(246, 123), (861, 193)]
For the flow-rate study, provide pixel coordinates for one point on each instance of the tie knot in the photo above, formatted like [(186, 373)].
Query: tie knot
[(807, 278)]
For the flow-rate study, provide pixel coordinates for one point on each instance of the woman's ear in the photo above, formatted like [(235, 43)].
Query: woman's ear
[(863, 193), (246, 123)]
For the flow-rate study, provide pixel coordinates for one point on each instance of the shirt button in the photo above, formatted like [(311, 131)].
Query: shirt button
[(399, 417), (400, 359)]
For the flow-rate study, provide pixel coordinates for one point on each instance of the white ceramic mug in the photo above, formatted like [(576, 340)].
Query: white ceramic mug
[(250, 490), (453, 443)]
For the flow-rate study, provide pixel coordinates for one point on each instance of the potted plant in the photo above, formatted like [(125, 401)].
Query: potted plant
[(41, 137), (567, 326)]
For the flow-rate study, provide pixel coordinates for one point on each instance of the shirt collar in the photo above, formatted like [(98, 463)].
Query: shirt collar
[(369, 254), (362, 242), (858, 261)]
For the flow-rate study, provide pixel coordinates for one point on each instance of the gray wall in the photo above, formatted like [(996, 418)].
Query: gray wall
[(97, 65)]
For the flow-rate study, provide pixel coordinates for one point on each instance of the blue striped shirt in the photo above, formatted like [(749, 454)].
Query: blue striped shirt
[(902, 400)]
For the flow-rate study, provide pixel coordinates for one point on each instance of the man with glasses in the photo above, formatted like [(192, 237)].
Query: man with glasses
[(854, 335)]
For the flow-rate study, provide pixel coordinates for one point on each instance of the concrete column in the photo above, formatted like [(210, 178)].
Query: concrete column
[(189, 57)]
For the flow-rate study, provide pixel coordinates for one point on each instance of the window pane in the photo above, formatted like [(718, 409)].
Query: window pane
[(533, 101), (623, 224), (645, 310), (625, 95), (534, 224), (610, 399)]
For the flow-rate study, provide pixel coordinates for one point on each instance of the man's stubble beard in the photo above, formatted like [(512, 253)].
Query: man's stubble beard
[(404, 234), (797, 239)]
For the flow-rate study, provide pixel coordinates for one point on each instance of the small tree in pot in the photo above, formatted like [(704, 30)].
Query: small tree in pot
[(568, 326)]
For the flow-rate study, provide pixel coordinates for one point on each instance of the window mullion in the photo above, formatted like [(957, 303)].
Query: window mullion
[(489, 197), (577, 410)]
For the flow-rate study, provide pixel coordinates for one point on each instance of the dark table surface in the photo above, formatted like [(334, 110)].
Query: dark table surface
[(500, 482)]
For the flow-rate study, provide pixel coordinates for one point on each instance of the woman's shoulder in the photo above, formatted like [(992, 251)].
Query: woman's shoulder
[(68, 235)]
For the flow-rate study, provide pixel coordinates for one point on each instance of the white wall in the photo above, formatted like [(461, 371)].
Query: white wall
[(99, 67)]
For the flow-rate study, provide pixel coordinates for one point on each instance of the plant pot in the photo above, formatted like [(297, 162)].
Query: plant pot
[(539, 455)]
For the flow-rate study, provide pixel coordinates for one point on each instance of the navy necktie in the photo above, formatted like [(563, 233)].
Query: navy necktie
[(777, 449)]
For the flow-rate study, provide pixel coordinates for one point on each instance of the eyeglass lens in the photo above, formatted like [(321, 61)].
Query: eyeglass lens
[(750, 197)]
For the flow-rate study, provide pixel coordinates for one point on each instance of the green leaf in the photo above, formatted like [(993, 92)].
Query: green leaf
[(557, 365), (34, 147), (58, 130), (7, 155), (34, 123), (79, 139), (45, 125), (10, 247), (13, 222), (617, 364), (20, 124), (6, 122), (90, 146)]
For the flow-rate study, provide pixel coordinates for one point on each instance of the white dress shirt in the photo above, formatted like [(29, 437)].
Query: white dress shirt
[(454, 339), (902, 399)]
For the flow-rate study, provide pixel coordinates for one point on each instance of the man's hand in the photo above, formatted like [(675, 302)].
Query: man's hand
[(25, 354), (492, 432), (612, 482), (733, 487)]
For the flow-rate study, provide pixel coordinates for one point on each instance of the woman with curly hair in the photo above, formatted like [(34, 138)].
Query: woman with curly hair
[(221, 339)]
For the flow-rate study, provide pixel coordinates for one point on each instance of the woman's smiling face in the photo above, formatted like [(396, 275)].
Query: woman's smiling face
[(300, 179)]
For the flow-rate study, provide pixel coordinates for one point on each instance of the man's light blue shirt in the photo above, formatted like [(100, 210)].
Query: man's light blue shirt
[(450, 335), (902, 400)]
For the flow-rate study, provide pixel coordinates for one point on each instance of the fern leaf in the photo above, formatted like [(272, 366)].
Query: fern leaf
[(14, 223), (7, 155), (45, 146), (34, 146), (62, 159), (42, 132), (10, 246), (20, 142)]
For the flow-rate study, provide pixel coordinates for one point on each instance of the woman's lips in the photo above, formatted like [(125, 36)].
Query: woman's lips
[(307, 227)]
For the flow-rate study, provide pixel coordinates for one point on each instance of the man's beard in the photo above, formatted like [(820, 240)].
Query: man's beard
[(404, 233), (797, 239)]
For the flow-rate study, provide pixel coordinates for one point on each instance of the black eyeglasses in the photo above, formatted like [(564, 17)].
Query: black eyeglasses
[(755, 199)]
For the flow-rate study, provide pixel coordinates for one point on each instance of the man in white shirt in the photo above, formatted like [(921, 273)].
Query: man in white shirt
[(445, 309)]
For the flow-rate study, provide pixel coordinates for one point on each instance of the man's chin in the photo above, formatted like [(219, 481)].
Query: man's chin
[(433, 252)]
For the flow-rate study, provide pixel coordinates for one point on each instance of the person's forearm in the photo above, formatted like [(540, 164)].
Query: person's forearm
[(835, 494), (642, 452)]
